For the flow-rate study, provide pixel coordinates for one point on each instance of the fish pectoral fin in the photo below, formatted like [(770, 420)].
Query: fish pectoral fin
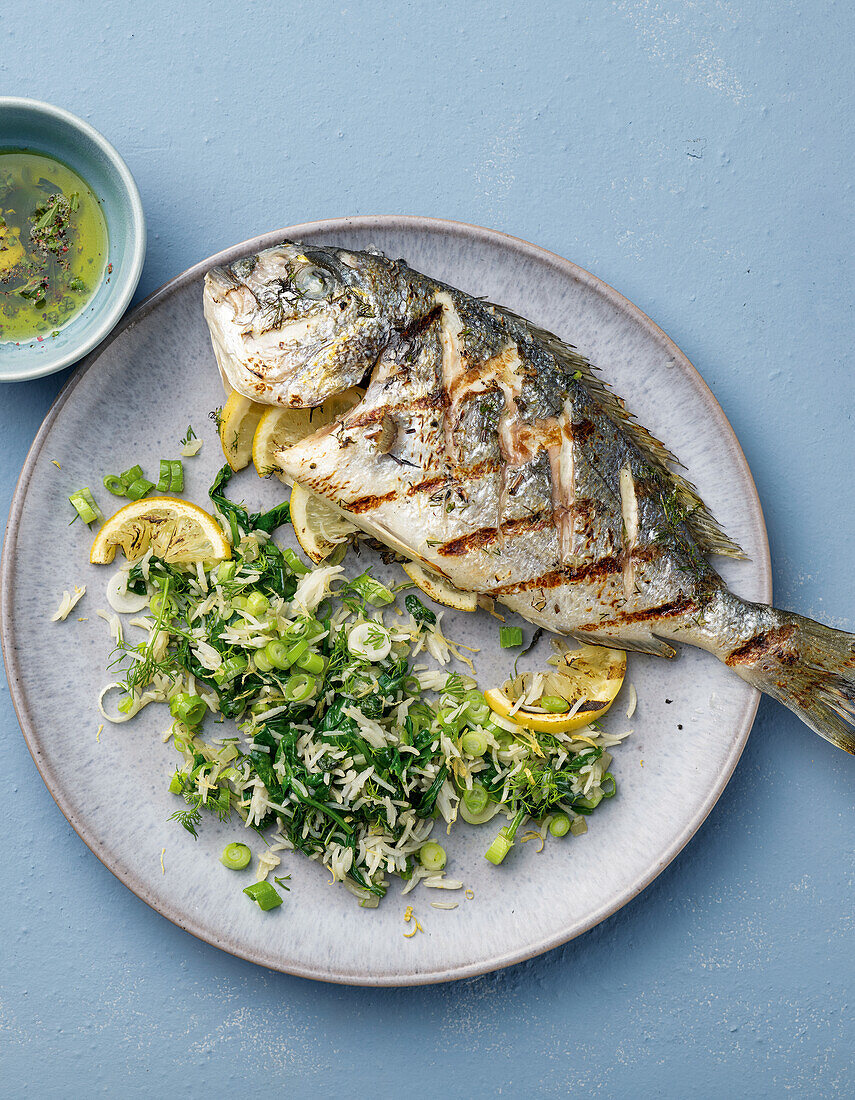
[(637, 642)]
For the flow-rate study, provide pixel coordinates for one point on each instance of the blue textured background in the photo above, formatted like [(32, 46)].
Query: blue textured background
[(695, 155)]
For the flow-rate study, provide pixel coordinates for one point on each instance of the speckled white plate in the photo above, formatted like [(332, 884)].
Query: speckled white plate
[(131, 402)]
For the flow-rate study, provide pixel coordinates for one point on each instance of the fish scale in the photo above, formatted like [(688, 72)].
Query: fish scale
[(492, 452)]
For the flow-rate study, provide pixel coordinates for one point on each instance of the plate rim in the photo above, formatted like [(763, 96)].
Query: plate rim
[(187, 922)]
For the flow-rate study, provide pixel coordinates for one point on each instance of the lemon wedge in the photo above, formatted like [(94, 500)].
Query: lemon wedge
[(440, 588), (174, 529), (279, 427), (319, 526), (593, 674), (238, 421)]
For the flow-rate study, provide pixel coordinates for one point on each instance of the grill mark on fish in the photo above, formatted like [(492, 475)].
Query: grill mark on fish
[(595, 570), (476, 540), (601, 569), (420, 325), (369, 503), (439, 481), (675, 609), (428, 403), (768, 643), (430, 484)]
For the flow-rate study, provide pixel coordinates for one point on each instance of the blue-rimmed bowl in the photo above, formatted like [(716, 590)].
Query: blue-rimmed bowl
[(29, 124)]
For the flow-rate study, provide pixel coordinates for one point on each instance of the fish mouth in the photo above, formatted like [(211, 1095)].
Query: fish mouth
[(222, 290)]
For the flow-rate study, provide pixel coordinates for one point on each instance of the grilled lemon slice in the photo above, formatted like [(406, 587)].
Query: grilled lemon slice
[(280, 427), (174, 529), (238, 421), (592, 674), (440, 588), (319, 526)]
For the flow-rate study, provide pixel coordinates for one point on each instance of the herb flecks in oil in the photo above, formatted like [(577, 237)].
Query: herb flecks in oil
[(53, 245)]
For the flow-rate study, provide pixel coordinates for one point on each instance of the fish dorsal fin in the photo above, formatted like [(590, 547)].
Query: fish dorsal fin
[(705, 530)]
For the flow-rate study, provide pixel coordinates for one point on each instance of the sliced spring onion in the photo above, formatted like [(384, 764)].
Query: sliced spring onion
[(189, 709), (471, 799), (370, 641), (590, 801), (128, 477), (311, 662), (276, 653), (231, 668), (432, 856), (264, 895), (299, 687), (160, 605), (294, 563), (476, 798), (262, 661), (236, 857), (299, 628), (474, 744), (86, 506), (450, 721), (257, 603), (138, 489), (509, 637), (171, 476), (114, 484), (226, 571), (553, 703), (560, 825), (500, 847), (371, 591), (476, 708)]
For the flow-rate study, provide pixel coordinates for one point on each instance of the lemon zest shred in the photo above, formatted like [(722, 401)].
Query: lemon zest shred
[(162, 868), (54, 461), (534, 835), (98, 734), (469, 893), (408, 916)]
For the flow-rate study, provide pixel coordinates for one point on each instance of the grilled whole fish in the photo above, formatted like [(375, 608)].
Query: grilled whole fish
[(493, 453)]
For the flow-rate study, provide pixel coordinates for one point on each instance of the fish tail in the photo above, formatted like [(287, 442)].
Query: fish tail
[(808, 667)]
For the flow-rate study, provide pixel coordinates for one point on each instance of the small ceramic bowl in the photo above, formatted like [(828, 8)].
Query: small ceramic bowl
[(29, 124)]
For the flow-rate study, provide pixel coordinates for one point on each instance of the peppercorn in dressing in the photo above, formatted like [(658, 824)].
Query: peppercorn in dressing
[(53, 245)]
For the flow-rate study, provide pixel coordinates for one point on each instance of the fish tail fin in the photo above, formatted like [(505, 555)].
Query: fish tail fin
[(808, 667)]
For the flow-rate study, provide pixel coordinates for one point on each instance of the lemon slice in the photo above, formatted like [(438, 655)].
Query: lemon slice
[(238, 421), (280, 427), (173, 529), (440, 588), (319, 526), (593, 674)]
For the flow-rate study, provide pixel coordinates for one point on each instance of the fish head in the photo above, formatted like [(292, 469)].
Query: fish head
[(294, 324)]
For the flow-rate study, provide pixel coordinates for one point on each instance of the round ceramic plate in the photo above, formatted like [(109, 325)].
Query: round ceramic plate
[(132, 402)]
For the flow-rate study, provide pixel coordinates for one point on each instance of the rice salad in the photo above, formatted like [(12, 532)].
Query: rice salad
[(358, 727)]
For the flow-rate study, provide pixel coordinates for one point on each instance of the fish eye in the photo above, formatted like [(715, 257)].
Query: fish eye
[(314, 282)]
